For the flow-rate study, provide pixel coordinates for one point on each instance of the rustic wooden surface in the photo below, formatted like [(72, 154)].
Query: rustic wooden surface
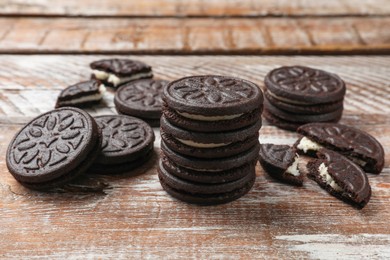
[(130, 216)]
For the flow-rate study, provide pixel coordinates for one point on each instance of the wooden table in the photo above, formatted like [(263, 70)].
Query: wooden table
[(43, 48)]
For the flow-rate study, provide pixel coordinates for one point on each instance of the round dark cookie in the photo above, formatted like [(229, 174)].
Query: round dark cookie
[(303, 118), (235, 141), (303, 109), (278, 122), (125, 138), (202, 188), (212, 126), (204, 176), (208, 199), (298, 84), (217, 164), (276, 159), (120, 67), (349, 141), (350, 178), (141, 98), (211, 95), (53, 148)]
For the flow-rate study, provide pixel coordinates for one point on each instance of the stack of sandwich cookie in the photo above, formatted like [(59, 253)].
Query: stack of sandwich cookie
[(199, 163), (142, 99), (298, 95), (115, 72)]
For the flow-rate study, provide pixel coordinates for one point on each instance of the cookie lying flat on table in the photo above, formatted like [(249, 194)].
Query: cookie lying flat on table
[(358, 146), (127, 143), (340, 177), (115, 72), (81, 94), (212, 103), (281, 162), (142, 99), (54, 148)]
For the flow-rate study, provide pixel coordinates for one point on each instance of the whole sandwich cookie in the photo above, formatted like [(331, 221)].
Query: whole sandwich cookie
[(205, 194), (141, 98), (81, 94), (212, 164), (304, 85), (115, 72), (54, 148), (333, 116), (209, 145), (360, 147), (127, 143), (303, 109), (281, 162), (212, 103), (206, 176), (340, 177)]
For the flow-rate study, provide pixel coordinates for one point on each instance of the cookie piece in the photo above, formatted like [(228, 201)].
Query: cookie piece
[(207, 101), (212, 164), (205, 194), (340, 177), (206, 176), (360, 147), (303, 109), (127, 143), (81, 94), (141, 98), (54, 148), (209, 145), (281, 162), (304, 85), (333, 116), (115, 72)]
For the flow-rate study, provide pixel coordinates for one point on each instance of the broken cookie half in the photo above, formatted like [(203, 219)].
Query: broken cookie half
[(358, 146), (281, 162), (340, 177)]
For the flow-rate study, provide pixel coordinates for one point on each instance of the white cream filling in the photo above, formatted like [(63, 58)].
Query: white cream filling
[(358, 161), (286, 99), (208, 118), (115, 80), (293, 168), (94, 97), (323, 171), (201, 145), (306, 144)]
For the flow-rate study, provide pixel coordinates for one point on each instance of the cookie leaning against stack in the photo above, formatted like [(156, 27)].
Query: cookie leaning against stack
[(298, 95), (209, 132)]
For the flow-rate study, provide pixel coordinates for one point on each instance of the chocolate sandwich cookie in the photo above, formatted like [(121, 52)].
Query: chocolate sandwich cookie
[(141, 98), (304, 85), (211, 164), (209, 145), (333, 116), (81, 94), (205, 176), (205, 194), (212, 103), (340, 177), (127, 143), (54, 148), (360, 147), (115, 72), (303, 109), (281, 123), (281, 162)]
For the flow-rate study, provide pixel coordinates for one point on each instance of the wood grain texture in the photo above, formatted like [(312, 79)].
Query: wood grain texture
[(194, 36), (130, 216), (194, 8)]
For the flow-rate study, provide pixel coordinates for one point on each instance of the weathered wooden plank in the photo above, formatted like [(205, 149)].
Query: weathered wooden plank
[(130, 216), (191, 36), (194, 8)]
